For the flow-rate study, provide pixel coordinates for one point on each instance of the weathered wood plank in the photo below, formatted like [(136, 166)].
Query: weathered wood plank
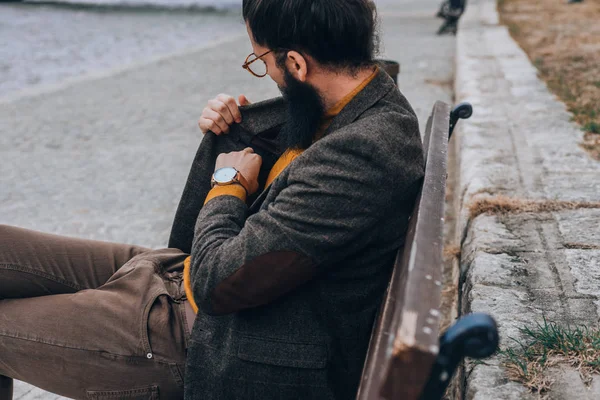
[(404, 343)]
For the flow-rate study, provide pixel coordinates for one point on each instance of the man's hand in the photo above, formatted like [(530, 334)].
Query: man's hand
[(220, 113), (246, 162)]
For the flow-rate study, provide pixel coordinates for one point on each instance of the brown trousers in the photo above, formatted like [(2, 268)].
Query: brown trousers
[(91, 320)]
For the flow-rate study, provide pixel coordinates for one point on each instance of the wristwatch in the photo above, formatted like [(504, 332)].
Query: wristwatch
[(229, 176)]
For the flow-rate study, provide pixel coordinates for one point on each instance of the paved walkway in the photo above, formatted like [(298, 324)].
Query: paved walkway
[(106, 158), (521, 143)]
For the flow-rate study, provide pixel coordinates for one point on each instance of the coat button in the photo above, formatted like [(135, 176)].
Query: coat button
[(149, 356)]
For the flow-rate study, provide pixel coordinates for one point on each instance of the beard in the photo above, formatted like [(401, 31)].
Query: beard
[(305, 109)]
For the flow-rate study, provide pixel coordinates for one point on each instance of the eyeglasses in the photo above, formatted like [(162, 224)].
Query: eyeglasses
[(258, 69)]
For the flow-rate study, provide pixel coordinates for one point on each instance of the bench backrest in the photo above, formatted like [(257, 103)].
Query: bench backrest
[(404, 343)]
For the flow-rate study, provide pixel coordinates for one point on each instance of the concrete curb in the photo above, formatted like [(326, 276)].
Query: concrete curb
[(520, 143)]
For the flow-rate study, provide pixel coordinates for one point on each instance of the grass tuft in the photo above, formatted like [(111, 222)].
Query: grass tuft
[(451, 251), (511, 205), (549, 344), (592, 127)]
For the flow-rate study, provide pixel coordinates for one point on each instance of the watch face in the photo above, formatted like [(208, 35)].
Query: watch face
[(225, 175)]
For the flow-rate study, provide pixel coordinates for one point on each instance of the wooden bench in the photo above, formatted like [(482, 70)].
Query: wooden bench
[(407, 359)]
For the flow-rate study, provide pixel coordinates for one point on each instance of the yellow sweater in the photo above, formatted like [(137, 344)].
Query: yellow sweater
[(281, 164)]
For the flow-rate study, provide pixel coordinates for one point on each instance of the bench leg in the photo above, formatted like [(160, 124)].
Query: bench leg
[(6, 388)]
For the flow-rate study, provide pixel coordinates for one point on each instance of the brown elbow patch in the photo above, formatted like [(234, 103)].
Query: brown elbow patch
[(262, 280)]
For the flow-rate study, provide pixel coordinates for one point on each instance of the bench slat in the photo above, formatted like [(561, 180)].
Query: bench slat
[(404, 343)]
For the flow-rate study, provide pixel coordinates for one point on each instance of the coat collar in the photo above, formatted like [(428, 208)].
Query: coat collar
[(378, 88), (268, 114)]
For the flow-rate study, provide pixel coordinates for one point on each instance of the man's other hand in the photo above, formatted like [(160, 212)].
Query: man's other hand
[(220, 113), (246, 162)]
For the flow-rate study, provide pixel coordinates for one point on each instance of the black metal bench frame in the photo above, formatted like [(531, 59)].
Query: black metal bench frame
[(407, 359)]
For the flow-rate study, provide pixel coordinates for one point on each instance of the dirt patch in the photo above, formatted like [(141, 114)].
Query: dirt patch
[(511, 205), (563, 41)]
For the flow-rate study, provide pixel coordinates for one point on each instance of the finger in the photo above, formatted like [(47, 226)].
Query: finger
[(217, 119), (206, 125), (209, 125), (221, 108), (244, 100), (232, 106), (249, 150), (202, 126)]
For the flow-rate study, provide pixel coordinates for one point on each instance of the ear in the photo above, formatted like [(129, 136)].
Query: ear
[(297, 65)]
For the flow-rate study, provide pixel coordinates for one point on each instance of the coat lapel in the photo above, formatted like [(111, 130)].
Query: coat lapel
[(258, 129)]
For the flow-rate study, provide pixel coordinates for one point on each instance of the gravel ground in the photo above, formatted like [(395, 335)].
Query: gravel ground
[(45, 44)]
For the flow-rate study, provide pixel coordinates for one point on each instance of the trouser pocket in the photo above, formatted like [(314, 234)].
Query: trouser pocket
[(156, 320), (164, 332)]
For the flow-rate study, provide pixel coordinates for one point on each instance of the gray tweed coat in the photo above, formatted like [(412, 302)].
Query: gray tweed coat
[(289, 286)]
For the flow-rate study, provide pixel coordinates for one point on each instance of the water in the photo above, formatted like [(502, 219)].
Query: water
[(45, 43)]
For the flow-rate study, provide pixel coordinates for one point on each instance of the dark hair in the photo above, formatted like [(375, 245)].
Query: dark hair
[(336, 33)]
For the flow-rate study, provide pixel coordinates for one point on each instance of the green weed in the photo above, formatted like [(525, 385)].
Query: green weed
[(548, 344), (592, 127)]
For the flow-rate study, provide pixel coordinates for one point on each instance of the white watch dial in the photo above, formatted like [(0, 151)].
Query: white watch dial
[(225, 175)]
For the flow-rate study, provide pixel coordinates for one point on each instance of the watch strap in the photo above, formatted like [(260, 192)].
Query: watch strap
[(242, 181)]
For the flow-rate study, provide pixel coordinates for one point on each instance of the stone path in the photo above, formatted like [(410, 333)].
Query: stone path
[(521, 143), (106, 158)]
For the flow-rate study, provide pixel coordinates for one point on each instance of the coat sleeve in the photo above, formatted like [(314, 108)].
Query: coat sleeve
[(337, 191)]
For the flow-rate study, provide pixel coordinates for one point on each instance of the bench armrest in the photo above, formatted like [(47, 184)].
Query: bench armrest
[(474, 336)]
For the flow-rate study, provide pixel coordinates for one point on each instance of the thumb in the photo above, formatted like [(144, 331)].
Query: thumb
[(243, 100)]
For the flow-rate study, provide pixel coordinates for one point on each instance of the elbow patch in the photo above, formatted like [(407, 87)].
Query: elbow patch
[(262, 280)]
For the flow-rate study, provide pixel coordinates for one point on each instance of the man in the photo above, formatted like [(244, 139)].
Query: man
[(450, 11), (281, 248)]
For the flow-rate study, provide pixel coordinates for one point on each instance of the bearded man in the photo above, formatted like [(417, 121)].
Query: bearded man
[(281, 249)]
